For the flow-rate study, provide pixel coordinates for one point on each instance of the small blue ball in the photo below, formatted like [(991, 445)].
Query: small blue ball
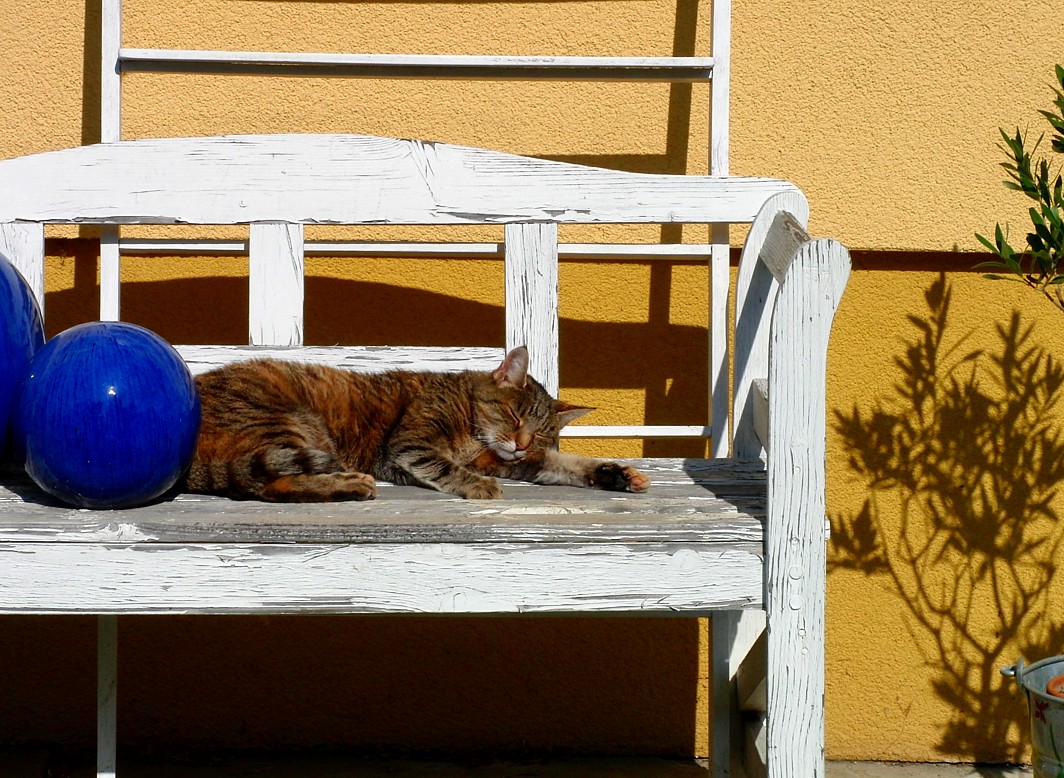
[(21, 335), (107, 416)]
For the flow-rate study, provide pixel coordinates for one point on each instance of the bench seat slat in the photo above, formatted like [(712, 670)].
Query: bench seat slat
[(705, 504), (693, 544), (378, 578)]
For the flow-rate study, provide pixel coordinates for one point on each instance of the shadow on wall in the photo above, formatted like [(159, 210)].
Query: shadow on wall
[(962, 464), (662, 359), (381, 684)]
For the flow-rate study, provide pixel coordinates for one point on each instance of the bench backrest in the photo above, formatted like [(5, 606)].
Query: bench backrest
[(276, 184)]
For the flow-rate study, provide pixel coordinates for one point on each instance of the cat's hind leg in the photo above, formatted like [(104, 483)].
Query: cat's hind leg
[(320, 487), (289, 458), (307, 474)]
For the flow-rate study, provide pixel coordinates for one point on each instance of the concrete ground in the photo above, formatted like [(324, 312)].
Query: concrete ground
[(38, 763)]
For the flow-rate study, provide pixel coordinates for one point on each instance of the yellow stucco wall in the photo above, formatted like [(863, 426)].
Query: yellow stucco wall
[(885, 114)]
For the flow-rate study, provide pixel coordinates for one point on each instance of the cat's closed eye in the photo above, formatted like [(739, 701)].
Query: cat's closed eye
[(515, 417)]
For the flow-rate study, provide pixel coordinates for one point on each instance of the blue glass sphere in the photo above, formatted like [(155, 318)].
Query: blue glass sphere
[(107, 416), (21, 335)]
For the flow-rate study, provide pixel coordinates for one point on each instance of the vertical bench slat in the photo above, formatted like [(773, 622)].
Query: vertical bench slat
[(532, 297), (110, 275), (719, 287), (23, 245), (275, 285)]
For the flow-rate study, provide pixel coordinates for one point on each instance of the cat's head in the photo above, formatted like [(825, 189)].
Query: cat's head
[(515, 416)]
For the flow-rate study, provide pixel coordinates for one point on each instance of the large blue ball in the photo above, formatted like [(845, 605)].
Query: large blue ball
[(107, 416), (21, 335)]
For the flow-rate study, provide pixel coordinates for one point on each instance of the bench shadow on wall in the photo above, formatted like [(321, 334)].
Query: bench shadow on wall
[(962, 464)]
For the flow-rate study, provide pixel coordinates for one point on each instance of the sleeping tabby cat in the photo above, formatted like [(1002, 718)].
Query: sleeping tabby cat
[(291, 432)]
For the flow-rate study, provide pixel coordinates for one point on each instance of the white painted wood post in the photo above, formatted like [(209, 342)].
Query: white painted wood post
[(275, 285), (755, 292), (795, 546), (719, 275), (532, 297), (720, 95), (734, 633), (110, 275), (719, 287), (110, 131), (110, 310), (110, 74), (106, 695), (23, 245)]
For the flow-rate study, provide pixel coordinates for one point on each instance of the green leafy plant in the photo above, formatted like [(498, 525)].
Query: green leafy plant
[(1041, 265)]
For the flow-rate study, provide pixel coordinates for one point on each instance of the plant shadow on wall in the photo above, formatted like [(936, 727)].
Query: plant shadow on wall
[(961, 467)]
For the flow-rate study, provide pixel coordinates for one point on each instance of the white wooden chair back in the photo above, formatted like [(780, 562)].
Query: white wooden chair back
[(276, 184)]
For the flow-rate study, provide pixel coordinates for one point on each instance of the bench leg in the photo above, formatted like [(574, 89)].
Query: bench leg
[(795, 686), (735, 633), (106, 699)]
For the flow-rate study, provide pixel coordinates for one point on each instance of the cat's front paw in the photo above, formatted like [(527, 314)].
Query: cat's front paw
[(619, 478), (484, 489)]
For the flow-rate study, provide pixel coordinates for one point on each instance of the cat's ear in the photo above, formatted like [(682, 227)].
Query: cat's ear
[(568, 412), (514, 369)]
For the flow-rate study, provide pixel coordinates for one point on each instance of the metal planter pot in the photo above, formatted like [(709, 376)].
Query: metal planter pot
[(1047, 713)]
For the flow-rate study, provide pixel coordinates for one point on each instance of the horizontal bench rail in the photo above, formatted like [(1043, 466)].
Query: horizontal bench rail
[(692, 252), (366, 359), (435, 66), (637, 431)]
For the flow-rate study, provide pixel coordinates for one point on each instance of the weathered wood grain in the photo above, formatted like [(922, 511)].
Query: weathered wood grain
[(755, 292), (23, 246), (635, 252), (365, 359), (532, 297), (704, 503), (796, 554), (275, 285), (376, 578), (351, 179)]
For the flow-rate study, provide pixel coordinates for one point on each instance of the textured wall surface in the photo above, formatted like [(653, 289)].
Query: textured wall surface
[(945, 527)]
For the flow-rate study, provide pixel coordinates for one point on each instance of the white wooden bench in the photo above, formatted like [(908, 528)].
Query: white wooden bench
[(730, 538)]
